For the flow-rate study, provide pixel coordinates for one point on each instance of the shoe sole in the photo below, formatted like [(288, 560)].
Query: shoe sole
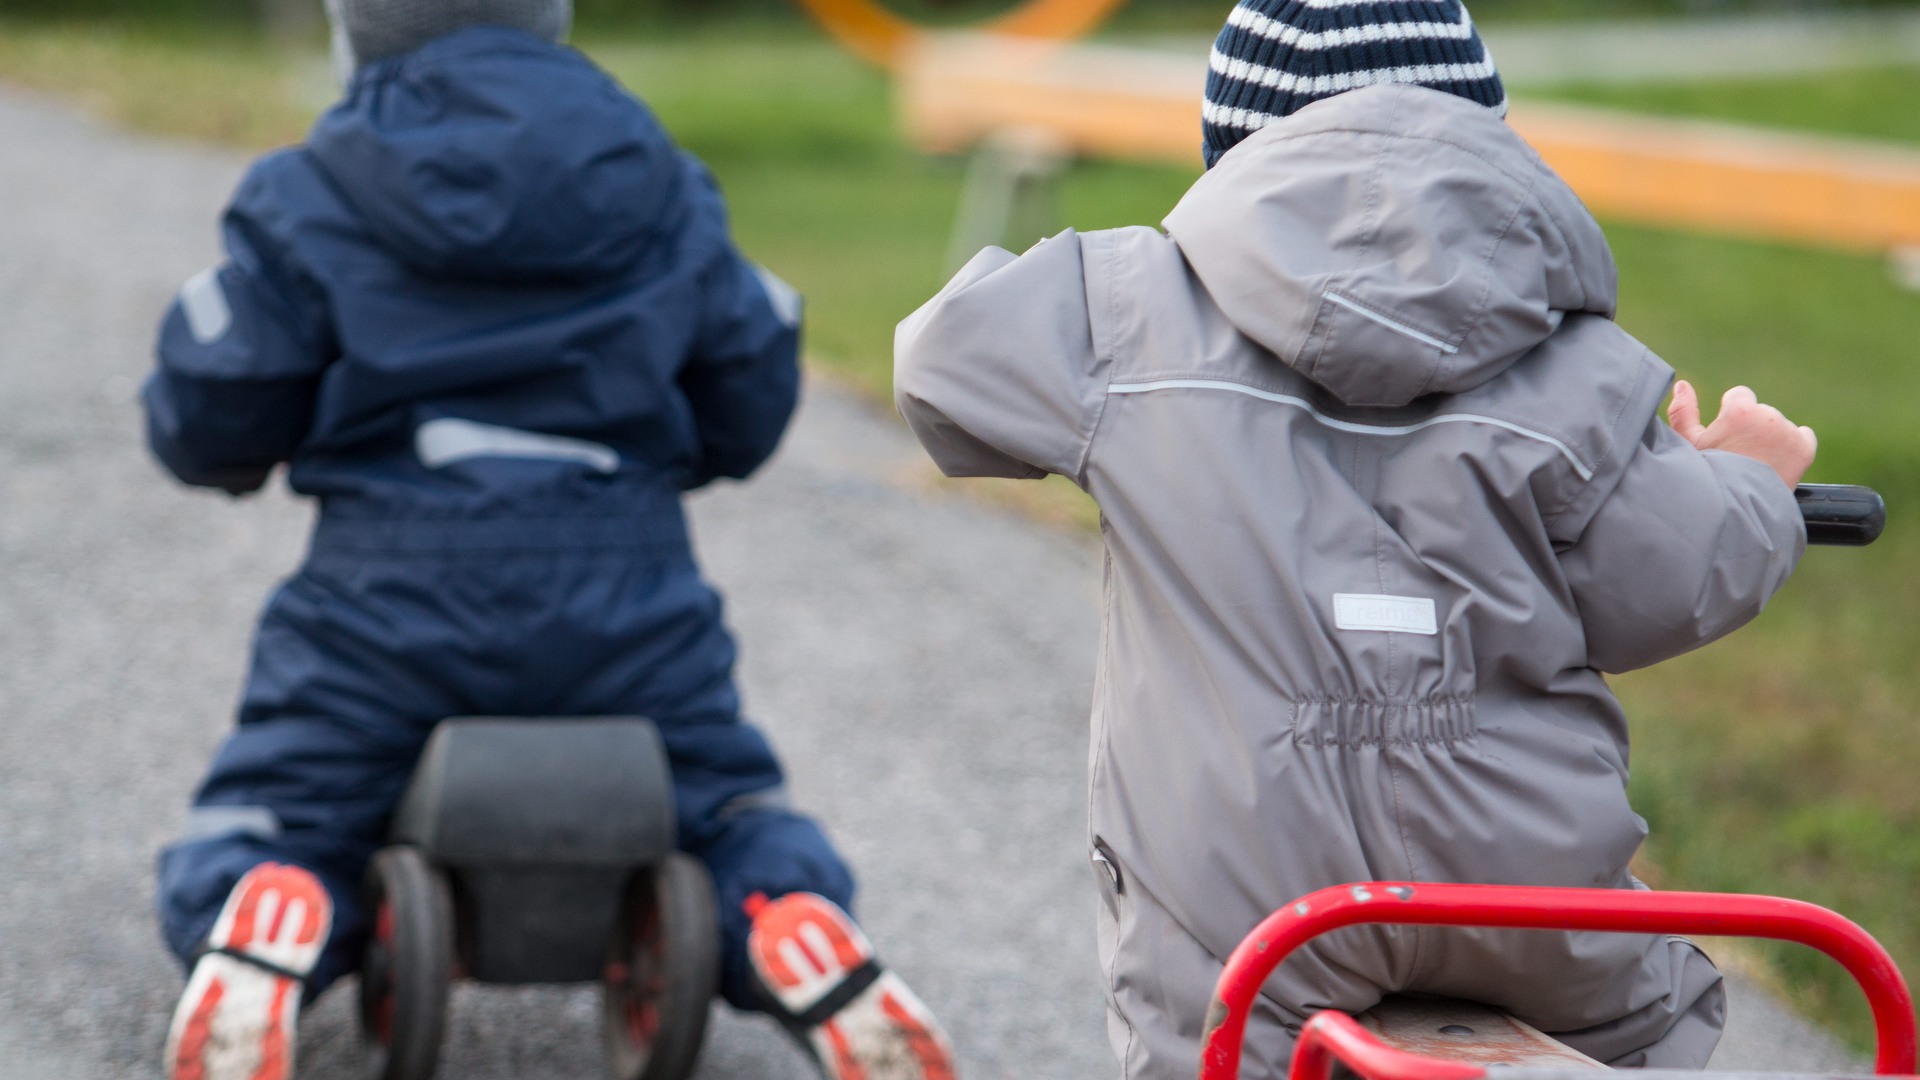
[(804, 949), (884, 1034), (236, 1019), (235, 1022)]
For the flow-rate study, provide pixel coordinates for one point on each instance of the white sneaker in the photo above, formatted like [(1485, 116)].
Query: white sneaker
[(235, 1021), (860, 1020)]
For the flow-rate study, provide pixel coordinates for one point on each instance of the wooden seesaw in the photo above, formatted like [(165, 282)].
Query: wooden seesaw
[(1037, 102), (1025, 101)]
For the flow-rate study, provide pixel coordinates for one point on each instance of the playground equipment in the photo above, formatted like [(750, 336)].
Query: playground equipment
[(884, 38), (540, 851), (1416, 1040), (1030, 103), (962, 92)]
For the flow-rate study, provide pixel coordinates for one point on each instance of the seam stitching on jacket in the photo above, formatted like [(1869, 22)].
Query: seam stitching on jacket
[(1371, 215), (1406, 848), (1380, 573), (1411, 137), (1101, 741), (1613, 435), (1486, 287), (1113, 968), (1108, 257)]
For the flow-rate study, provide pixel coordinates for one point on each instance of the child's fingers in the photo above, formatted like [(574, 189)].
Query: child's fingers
[(1683, 412), (1738, 396)]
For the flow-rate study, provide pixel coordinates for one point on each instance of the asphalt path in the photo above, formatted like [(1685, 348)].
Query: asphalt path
[(923, 661)]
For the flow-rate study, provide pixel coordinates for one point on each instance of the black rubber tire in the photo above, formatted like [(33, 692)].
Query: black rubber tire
[(662, 972), (408, 963)]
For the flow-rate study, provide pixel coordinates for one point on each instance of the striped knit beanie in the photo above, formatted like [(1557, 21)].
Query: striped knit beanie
[(1277, 56)]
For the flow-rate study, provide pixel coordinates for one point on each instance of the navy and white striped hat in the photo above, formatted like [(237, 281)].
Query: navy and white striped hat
[(1277, 56)]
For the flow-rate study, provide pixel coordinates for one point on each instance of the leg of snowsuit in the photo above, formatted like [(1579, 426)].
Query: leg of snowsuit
[(330, 727), (356, 660), (1417, 793), (734, 818)]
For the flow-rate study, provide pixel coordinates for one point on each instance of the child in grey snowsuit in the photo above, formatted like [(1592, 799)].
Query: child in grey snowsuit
[(1384, 491)]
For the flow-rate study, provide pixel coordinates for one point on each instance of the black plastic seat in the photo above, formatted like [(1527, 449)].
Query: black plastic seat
[(533, 850)]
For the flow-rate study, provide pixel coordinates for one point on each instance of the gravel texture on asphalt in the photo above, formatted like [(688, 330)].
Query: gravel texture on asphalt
[(923, 662)]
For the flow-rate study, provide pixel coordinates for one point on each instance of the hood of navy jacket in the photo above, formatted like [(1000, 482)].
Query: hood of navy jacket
[(492, 154), (1393, 242)]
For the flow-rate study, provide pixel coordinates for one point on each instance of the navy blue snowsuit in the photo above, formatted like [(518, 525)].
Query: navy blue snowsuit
[(494, 320)]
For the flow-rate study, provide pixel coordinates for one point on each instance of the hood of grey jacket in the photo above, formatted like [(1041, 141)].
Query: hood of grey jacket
[(1393, 242)]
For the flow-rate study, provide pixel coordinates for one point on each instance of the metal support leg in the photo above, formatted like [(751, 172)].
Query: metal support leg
[(1011, 192)]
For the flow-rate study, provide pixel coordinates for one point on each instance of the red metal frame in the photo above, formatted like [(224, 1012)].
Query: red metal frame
[(1620, 910)]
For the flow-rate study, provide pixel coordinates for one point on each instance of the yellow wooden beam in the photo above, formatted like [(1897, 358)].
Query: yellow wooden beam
[(1144, 106)]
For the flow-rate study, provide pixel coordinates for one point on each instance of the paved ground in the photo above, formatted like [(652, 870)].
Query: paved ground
[(923, 662)]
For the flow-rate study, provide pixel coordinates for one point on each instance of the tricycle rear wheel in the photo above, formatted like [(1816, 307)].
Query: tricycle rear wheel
[(662, 972), (408, 964)]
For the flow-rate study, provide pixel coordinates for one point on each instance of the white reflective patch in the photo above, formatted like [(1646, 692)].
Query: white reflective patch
[(205, 303), (442, 442), (784, 297), (1387, 614)]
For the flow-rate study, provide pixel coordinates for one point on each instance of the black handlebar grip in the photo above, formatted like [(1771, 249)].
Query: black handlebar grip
[(1845, 515)]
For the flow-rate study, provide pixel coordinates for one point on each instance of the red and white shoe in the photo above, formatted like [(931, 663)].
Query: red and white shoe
[(235, 1021), (860, 1020)]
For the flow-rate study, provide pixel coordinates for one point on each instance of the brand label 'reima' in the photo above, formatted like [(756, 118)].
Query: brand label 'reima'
[(1386, 614)]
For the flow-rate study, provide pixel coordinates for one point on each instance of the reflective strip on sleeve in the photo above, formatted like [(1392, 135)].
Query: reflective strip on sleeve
[(205, 303), (785, 298), (773, 798), (442, 442), (212, 822)]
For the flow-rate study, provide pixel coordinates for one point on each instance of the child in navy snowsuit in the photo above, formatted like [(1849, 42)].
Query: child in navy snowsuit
[(494, 320)]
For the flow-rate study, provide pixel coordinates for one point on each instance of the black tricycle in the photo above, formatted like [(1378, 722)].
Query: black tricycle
[(540, 851)]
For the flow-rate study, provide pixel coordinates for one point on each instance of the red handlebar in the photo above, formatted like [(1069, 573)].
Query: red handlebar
[(1521, 907)]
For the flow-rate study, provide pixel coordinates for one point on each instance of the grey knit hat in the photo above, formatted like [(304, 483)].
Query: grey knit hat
[(369, 30), (1278, 56)]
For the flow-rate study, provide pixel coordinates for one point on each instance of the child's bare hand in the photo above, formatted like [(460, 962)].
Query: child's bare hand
[(1745, 427)]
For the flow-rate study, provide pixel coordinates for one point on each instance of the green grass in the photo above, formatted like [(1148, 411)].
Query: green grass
[(1772, 762), (207, 83), (1779, 761), (801, 137), (1870, 104)]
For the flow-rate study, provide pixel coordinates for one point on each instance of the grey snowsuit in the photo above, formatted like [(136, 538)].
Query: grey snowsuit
[(1383, 492)]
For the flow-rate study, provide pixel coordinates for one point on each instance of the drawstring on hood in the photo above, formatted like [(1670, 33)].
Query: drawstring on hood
[(1393, 242)]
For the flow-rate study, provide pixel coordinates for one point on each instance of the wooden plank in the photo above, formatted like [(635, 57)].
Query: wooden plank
[(1831, 192), (1139, 105), (1465, 1031), (1099, 101)]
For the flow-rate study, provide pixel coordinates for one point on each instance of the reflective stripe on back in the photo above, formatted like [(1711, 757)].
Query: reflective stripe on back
[(1581, 468), (442, 442)]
